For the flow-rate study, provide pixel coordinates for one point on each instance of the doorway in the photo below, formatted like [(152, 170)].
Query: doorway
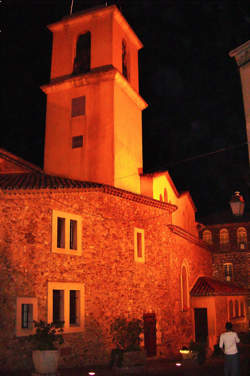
[(201, 326), (150, 334)]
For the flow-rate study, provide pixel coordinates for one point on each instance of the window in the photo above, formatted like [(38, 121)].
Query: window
[(165, 195), (77, 142), (78, 106), (242, 237), (66, 233), (82, 58), (66, 303), (26, 312), (139, 253), (224, 237), (231, 310), (236, 308), (184, 288), (207, 236), (228, 271), (125, 68), (242, 310)]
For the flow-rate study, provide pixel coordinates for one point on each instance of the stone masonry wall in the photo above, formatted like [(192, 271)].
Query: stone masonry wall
[(115, 285)]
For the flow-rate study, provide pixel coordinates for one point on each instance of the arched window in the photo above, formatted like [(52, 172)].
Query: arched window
[(231, 310), (125, 60), (184, 288), (161, 197), (242, 237), (207, 236), (236, 308), (242, 311), (224, 236), (165, 195), (82, 58)]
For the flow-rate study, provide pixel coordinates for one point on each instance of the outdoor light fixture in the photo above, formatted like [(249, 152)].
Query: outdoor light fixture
[(91, 373), (237, 204), (178, 364)]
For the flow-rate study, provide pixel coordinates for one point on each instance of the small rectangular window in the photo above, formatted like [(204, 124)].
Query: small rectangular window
[(77, 142), (73, 234), (27, 316), (78, 106), (66, 233), (60, 232), (66, 303), (74, 307), (139, 251), (139, 244), (58, 305)]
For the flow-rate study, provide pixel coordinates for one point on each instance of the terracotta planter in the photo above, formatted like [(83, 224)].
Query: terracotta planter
[(45, 361)]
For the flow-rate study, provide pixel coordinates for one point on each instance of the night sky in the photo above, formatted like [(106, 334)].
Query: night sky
[(194, 125)]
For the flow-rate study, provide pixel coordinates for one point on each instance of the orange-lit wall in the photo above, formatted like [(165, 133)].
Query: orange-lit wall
[(95, 160), (127, 141), (153, 186), (115, 284)]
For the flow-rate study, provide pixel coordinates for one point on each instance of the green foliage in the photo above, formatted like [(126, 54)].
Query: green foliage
[(47, 335), (126, 333)]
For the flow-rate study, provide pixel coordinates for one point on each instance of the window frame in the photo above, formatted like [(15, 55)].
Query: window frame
[(224, 237), (21, 332), (66, 287), (137, 258), (241, 240), (208, 240), (184, 289), (226, 264), (68, 217)]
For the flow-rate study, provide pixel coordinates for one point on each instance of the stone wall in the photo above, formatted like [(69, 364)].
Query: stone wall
[(115, 285)]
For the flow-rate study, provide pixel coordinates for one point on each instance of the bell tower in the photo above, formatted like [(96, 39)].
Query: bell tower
[(94, 110)]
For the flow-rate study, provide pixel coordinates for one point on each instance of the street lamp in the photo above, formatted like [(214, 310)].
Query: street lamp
[(237, 204)]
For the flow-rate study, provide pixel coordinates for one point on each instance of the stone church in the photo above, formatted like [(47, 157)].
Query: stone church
[(91, 237)]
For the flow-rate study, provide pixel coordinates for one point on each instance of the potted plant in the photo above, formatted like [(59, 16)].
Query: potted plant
[(126, 335), (45, 354)]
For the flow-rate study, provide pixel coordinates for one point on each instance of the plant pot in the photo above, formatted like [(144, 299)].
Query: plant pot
[(45, 361)]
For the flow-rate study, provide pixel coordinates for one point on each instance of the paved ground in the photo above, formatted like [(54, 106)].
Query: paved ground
[(160, 367)]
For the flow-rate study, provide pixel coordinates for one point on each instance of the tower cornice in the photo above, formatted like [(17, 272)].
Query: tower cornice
[(241, 54), (97, 12), (97, 75)]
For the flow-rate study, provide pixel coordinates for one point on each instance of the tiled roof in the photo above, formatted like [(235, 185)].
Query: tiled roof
[(206, 286), (40, 181), (29, 182)]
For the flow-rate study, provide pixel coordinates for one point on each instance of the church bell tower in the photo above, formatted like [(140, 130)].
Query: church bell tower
[(94, 110)]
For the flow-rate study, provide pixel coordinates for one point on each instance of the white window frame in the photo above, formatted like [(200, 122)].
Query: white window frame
[(20, 332), (136, 257), (66, 287), (67, 216)]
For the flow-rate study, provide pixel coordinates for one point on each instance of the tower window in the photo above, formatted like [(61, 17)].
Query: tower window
[(82, 58), (125, 67), (78, 106), (77, 142)]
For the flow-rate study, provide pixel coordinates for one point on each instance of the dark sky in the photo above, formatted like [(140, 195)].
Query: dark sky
[(194, 125)]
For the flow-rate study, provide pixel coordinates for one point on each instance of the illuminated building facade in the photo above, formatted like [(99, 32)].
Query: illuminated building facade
[(91, 237)]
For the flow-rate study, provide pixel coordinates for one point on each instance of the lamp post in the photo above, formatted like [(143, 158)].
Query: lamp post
[(237, 204)]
